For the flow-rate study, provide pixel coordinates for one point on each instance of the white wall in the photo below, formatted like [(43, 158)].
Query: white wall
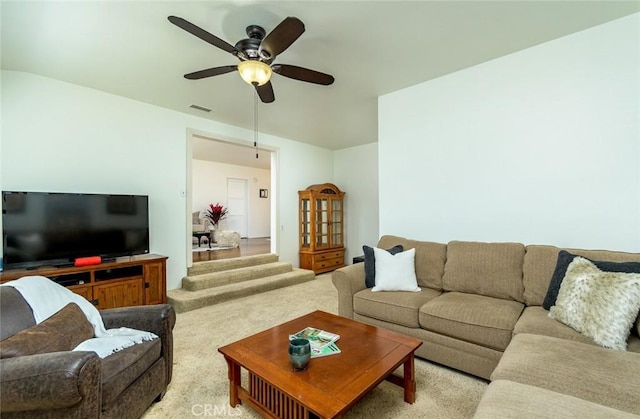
[(356, 173), (209, 186), (541, 146), (62, 137)]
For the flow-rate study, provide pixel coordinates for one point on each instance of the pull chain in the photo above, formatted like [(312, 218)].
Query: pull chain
[(255, 122)]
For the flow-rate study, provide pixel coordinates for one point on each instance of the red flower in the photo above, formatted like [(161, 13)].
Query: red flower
[(216, 212)]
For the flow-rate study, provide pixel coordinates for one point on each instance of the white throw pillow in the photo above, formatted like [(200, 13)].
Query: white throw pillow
[(600, 305), (395, 272)]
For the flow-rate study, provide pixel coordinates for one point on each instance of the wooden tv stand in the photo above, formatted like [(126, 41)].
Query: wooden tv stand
[(126, 281)]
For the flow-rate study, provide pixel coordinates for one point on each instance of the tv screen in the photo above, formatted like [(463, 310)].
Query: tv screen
[(42, 228)]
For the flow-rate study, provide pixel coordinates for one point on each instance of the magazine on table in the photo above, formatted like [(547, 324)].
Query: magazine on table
[(317, 338), (330, 349)]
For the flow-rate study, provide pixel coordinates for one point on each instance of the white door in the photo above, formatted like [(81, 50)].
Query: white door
[(237, 203)]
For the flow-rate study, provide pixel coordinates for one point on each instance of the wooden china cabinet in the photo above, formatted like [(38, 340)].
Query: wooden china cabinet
[(321, 228)]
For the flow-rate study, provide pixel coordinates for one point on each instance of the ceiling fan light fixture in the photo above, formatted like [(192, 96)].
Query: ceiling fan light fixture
[(254, 72)]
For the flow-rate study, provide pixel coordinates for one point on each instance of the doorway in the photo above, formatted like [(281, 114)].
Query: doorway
[(237, 218), (231, 189)]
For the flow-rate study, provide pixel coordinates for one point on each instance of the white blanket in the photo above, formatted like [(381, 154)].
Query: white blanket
[(46, 298)]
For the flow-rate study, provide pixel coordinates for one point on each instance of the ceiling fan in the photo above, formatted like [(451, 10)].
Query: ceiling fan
[(256, 55)]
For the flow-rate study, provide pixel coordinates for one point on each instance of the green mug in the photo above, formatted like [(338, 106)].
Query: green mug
[(299, 354)]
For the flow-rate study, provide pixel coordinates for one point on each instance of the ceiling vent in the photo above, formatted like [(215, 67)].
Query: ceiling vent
[(200, 108)]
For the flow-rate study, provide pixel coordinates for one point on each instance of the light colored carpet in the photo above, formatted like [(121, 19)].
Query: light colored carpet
[(200, 387)]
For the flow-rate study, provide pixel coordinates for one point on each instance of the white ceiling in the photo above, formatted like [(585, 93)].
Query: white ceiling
[(225, 152), (129, 48)]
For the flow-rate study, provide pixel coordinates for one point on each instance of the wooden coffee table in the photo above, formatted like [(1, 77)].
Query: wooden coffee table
[(330, 385)]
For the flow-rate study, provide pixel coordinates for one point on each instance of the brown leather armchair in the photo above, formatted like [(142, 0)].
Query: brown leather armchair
[(75, 384)]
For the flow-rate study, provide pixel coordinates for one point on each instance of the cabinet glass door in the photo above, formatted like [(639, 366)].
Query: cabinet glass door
[(322, 223), (336, 223), (305, 222)]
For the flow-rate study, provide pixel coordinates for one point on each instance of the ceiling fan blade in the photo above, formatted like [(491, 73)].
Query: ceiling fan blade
[(209, 72), (281, 37), (202, 34), (266, 92), (303, 74)]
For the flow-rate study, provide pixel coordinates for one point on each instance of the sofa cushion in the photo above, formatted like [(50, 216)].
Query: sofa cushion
[(62, 331), (122, 368), (601, 305), (562, 264), (395, 272), (478, 319), (430, 259), (588, 372), (394, 307), (511, 400), (490, 269), (370, 263), (540, 262), (536, 320)]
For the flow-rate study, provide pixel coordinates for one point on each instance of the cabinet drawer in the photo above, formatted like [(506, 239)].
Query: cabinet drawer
[(328, 263), (329, 255), (322, 262)]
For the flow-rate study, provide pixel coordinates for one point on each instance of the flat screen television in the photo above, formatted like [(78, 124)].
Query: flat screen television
[(42, 228)]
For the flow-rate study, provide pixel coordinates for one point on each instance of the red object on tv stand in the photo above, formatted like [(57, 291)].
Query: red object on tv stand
[(91, 260)]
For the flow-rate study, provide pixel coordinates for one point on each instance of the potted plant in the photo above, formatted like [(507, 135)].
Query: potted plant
[(215, 213)]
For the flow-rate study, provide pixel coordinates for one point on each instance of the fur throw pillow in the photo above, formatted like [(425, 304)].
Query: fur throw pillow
[(600, 305), (565, 258)]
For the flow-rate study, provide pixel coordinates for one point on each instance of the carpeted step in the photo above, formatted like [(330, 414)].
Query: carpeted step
[(231, 276), (233, 263), (183, 300)]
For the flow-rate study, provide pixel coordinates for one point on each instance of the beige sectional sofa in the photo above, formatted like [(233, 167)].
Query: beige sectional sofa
[(480, 311)]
